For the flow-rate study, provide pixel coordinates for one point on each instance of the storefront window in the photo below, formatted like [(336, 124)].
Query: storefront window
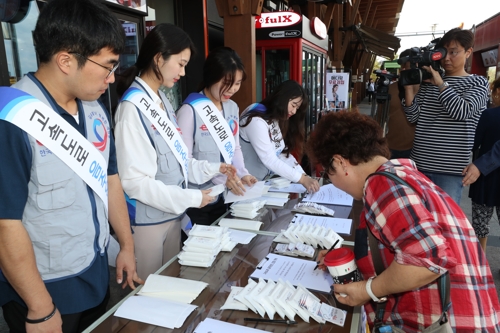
[(19, 46)]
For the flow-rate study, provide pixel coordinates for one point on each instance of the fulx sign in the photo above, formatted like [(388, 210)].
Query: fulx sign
[(277, 19)]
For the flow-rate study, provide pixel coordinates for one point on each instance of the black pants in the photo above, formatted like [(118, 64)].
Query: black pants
[(206, 215), (370, 94), (15, 316)]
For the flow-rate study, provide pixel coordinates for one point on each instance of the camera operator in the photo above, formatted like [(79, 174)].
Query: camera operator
[(446, 111), (400, 132)]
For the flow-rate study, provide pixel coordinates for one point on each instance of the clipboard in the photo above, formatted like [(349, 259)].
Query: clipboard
[(295, 270)]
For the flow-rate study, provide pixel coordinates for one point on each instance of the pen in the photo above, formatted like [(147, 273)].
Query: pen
[(333, 246), (272, 321)]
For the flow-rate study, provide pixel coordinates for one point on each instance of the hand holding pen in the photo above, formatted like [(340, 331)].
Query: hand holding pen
[(323, 254)]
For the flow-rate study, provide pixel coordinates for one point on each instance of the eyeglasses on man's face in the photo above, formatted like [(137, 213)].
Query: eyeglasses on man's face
[(110, 70)]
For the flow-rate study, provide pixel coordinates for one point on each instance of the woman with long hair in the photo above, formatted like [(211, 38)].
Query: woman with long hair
[(152, 159), (274, 128), (209, 123)]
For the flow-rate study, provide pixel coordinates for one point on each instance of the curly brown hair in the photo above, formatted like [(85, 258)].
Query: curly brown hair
[(354, 136)]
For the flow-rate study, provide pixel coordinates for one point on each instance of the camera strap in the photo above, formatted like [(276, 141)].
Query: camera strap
[(443, 280)]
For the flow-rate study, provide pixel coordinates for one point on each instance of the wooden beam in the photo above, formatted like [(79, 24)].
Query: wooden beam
[(336, 37), (372, 18), (238, 7), (256, 7), (349, 34), (222, 7), (327, 20), (368, 5)]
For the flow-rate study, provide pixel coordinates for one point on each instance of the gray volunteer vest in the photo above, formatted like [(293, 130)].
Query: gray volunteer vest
[(169, 170), (205, 147), (252, 161), (59, 214)]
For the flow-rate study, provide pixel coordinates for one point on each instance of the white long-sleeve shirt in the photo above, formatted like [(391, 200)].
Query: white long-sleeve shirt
[(137, 164), (257, 132)]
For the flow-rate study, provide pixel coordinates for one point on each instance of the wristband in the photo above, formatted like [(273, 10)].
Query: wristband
[(41, 320), (371, 294)]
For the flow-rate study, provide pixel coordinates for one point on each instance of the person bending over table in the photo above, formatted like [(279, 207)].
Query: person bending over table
[(274, 128), (420, 231)]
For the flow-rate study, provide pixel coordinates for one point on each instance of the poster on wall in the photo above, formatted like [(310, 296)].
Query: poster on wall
[(139, 5), (337, 90)]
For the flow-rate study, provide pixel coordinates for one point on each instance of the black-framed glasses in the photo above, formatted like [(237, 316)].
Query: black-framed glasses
[(111, 70), (326, 171)]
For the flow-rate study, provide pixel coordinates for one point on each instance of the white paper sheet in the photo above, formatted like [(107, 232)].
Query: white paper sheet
[(211, 325), (329, 194), (172, 288), (155, 311), (253, 192), (292, 188), (241, 237), (295, 271), (340, 226)]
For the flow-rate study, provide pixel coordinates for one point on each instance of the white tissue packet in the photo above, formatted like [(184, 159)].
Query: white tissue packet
[(233, 304), (263, 301), (241, 296), (207, 231), (333, 315), (303, 250), (294, 302), (273, 296), (286, 294), (254, 293), (203, 242)]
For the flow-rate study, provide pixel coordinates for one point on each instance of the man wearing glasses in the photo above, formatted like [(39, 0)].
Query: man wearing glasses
[(59, 182)]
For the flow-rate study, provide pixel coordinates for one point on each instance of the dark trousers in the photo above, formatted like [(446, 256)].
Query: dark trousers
[(15, 316), (370, 94), (206, 215)]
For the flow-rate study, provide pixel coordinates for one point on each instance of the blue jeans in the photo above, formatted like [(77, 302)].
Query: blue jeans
[(451, 184)]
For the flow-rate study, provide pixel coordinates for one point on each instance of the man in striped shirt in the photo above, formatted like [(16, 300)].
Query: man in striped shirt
[(446, 111)]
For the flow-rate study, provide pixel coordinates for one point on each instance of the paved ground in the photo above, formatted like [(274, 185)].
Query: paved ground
[(492, 251)]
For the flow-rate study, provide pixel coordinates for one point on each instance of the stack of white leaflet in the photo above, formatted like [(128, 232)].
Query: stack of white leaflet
[(248, 208), (284, 299), (162, 301), (204, 244), (314, 235)]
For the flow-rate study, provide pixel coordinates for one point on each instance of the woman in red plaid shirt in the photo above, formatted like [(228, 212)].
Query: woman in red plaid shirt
[(421, 232)]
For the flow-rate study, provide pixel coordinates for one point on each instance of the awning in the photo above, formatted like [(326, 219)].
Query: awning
[(378, 42), (391, 64)]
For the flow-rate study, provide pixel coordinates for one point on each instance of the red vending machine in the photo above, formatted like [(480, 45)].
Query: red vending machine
[(292, 47)]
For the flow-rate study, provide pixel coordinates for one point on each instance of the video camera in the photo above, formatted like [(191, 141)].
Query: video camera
[(424, 56), (384, 79)]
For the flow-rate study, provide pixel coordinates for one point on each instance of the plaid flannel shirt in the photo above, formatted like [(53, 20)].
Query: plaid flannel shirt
[(427, 229)]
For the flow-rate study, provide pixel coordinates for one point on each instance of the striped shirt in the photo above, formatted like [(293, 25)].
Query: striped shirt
[(426, 229), (446, 123)]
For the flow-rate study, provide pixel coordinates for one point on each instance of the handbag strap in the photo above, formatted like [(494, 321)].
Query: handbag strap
[(443, 280)]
